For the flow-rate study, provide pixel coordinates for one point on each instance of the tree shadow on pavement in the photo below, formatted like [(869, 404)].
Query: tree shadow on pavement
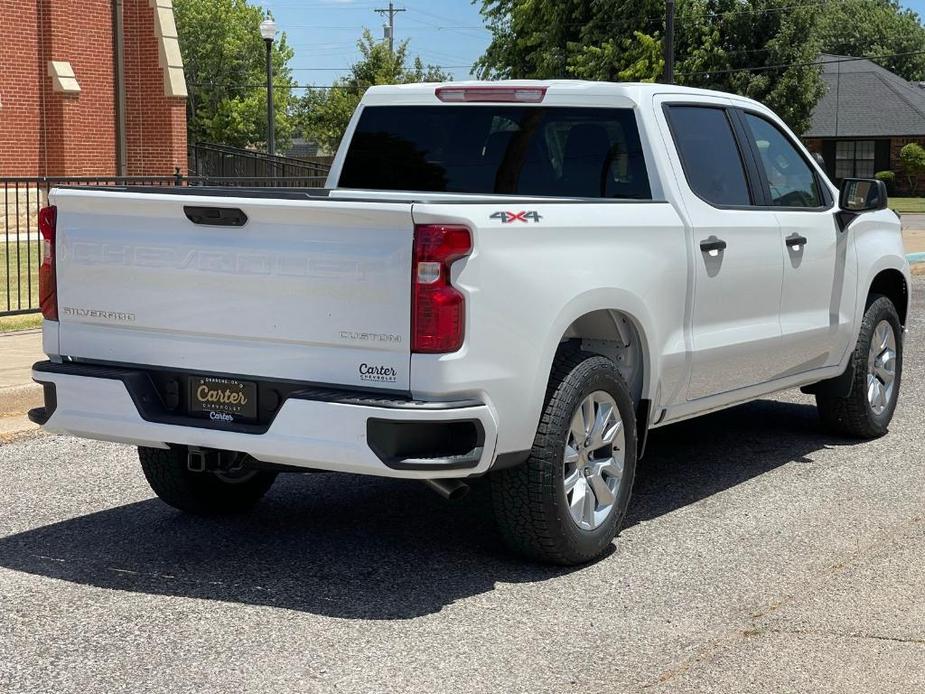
[(367, 548)]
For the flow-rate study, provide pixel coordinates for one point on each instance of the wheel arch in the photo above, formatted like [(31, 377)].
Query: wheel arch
[(892, 284), (616, 335), (602, 322)]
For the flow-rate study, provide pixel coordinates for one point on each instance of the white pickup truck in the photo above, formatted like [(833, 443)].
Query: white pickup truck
[(517, 279)]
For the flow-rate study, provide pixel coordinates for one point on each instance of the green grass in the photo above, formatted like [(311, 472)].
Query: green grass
[(908, 205), (16, 296), (27, 321)]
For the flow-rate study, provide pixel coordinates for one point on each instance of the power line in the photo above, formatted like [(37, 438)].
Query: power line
[(347, 69), (754, 68), (780, 66)]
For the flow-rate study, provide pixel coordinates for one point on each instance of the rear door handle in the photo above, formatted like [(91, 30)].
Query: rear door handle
[(795, 241), (712, 245)]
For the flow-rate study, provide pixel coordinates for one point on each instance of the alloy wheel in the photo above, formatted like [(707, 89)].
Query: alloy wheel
[(593, 460), (881, 367)]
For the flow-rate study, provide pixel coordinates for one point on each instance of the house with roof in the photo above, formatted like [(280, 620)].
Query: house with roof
[(867, 115)]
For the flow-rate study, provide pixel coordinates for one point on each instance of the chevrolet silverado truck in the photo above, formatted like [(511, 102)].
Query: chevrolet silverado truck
[(515, 280)]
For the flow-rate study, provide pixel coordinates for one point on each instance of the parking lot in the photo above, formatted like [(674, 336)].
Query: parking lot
[(759, 555)]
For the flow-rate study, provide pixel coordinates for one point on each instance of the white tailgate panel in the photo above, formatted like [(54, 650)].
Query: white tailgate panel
[(307, 290)]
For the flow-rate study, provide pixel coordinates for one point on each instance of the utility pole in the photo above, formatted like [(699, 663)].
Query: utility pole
[(669, 42), (390, 27)]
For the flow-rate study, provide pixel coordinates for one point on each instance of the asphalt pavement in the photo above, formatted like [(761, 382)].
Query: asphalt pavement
[(759, 555)]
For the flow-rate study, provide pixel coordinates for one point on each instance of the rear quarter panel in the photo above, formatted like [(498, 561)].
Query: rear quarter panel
[(526, 282)]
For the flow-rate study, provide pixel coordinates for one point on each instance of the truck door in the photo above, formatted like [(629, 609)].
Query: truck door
[(737, 252), (819, 286)]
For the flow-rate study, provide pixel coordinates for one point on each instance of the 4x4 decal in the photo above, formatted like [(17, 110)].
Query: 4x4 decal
[(525, 216)]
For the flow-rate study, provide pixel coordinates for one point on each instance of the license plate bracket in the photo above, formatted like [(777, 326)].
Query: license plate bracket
[(223, 400)]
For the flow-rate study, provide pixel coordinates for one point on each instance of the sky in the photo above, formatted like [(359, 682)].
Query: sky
[(448, 33), (324, 33)]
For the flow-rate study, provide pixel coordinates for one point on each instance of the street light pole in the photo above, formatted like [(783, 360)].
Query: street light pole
[(268, 32)]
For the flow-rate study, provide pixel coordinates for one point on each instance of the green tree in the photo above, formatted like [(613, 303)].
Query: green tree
[(870, 28), (225, 61), (912, 157), (323, 114), (544, 39), (732, 45), (763, 49)]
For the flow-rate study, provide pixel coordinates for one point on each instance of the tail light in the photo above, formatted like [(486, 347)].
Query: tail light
[(438, 313), (48, 285)]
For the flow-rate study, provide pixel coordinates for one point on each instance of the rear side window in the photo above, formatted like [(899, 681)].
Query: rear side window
[(709, 154), (516, 150)]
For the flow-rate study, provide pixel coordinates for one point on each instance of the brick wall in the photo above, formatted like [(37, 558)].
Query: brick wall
[(814, 145), (19, 95), (155, 123), (48, 133), (79, 128)]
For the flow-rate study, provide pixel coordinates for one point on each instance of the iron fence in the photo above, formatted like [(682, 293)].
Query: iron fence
[(221, 161), (22, 198)]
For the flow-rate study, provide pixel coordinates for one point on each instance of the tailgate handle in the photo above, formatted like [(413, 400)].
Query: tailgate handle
[(216, 216)]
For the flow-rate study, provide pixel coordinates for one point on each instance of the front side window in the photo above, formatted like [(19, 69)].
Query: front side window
[(709, 154), (790, 180), (854, 159), (503, 149)]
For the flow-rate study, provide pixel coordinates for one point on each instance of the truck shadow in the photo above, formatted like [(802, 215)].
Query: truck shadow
[(366, 548)]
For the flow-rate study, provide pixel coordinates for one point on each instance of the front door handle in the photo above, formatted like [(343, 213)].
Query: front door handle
[(712, 245), (795, 241)]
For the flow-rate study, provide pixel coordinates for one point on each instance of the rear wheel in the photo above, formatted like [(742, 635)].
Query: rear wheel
[(202, 493), (877, 361), (565, 505)]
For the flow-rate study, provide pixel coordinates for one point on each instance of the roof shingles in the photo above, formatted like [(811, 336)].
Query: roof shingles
[(863, 99)]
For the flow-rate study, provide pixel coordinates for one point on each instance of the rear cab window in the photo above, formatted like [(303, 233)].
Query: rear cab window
[(710, 156), (498, 149)]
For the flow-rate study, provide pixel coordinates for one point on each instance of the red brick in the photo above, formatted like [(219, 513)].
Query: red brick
[(43, 132)]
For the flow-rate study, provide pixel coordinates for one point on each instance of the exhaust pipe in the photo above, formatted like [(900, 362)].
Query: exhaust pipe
[(451, 490)]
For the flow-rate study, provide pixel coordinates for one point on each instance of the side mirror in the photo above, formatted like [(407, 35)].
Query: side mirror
[(862, 195)]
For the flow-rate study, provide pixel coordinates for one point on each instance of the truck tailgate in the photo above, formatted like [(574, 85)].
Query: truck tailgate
[(308, 290)]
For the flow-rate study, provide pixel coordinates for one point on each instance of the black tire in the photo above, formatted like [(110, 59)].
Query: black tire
[(200, 493), (530, 500), (853, 415)]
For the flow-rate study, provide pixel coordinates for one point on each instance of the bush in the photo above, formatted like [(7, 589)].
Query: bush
[(913, 158), (888, 178)]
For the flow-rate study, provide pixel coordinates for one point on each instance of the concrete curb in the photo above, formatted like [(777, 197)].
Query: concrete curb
[(17, 400), (15, 427)]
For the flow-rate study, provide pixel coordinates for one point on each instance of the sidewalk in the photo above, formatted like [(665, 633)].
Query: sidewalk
[(18, 394)]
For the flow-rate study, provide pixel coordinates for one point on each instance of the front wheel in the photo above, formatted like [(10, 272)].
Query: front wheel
[(877, 361), (565, 505), (201, 493)]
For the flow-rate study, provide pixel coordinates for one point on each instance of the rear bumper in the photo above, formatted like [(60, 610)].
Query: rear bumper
[(311, 429)]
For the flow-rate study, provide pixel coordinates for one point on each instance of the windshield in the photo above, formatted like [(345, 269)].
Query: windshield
[(516, 150)]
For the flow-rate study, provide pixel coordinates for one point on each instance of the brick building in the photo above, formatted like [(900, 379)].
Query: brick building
[(90, 87), (866, 116)]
